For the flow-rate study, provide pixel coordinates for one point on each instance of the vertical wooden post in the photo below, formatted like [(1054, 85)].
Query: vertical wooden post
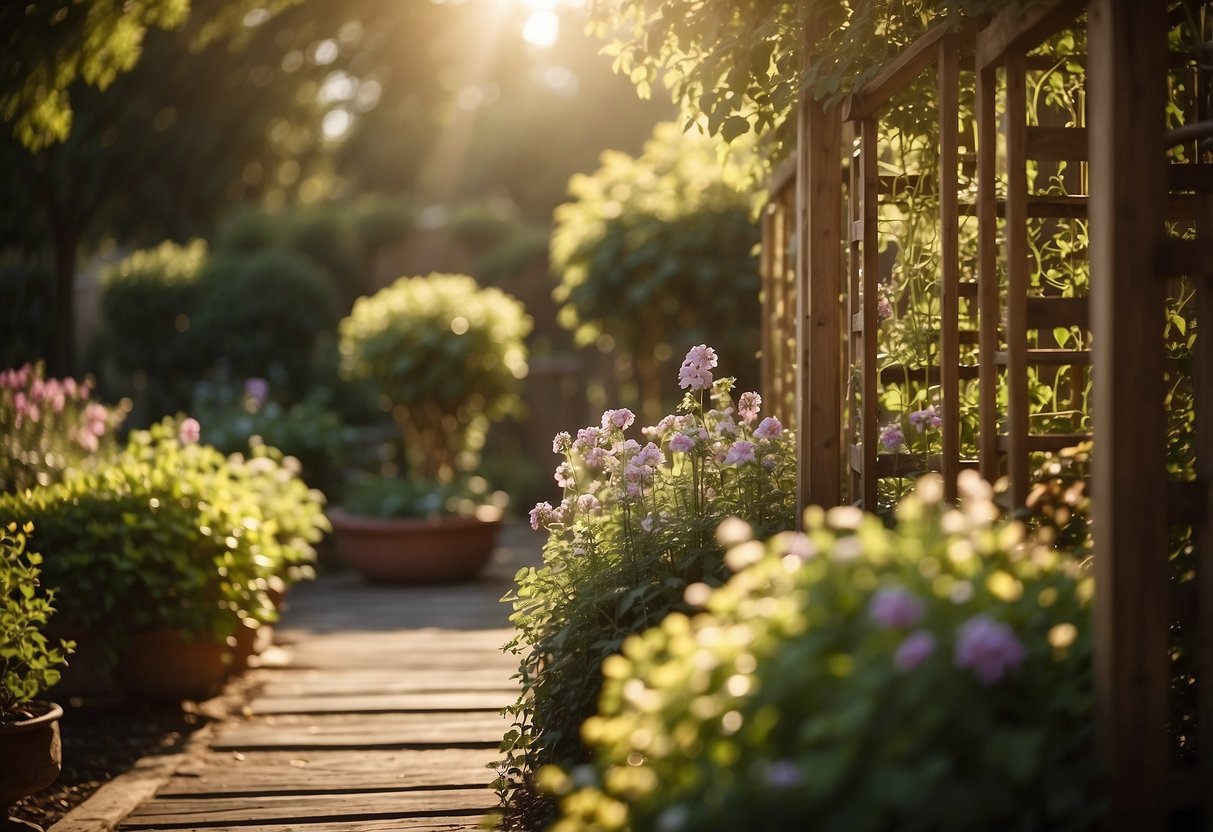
[(987, 273), (1017, 276), (818, 329), (854, 319), (869, 194), (1202, 379), (766, 270), (1127, 72), (949, 235)]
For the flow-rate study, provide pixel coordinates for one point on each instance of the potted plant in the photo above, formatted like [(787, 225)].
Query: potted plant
[(30, 752), (447, 358), (170, 552)]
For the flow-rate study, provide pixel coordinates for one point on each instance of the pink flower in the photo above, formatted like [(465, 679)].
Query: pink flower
[(564, 476), (647, 523), (257, 389), (989, 648), (726, 426), (594, 457), (740, 453), (926, 419), (649, 455), (768, 428), (95, 419), (587, 438), (884, 309), (891, 436), (917, 647), (681, 443), (696, 370), (896, 608), (541, 515), (621, 418), (588, 503), (748, 406), (561, 442), (189, 432)]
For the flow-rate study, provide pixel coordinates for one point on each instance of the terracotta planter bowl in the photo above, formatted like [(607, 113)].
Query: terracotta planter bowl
[(439, 551), (31, 756), (164, 665)]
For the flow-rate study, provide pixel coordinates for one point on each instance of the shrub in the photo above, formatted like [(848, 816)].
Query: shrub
[(48, 426), (148, 304), (636, 527), (29, 662), (266, 315), (661, 244), (173, 534), (447, 356), (935, 676)]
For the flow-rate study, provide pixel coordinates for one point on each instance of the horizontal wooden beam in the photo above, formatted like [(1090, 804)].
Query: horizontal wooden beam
[(1057, 144), (872, 96), (1050, 357), (1046, 441), (1050, 312), (1173, 257), (1021, 28)]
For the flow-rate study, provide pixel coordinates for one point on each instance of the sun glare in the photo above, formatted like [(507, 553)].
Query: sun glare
[(541, 28)]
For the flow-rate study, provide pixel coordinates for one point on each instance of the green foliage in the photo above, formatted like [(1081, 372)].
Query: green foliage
[(446, 356), (52, 44), (50, 426), (741, 63), (636, 527), (310, 431), (147, 307), (410, 497), (935, 676), (265, 315), (173, 534), (29, 294), (29, 662), (658, 245)]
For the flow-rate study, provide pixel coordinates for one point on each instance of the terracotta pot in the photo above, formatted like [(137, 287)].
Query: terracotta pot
[(163, 665), (31, 756), (438, 551)]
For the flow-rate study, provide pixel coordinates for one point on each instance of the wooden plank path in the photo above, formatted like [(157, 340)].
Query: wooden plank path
[(379, 710)]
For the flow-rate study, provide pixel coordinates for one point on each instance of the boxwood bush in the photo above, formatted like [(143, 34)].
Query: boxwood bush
[(933, 676)]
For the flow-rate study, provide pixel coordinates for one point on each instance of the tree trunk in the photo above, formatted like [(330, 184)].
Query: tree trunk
[(62, 359)]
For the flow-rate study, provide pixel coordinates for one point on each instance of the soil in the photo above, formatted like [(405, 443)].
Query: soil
[(101, 740)]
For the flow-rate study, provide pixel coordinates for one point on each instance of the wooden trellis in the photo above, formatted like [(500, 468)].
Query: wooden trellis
[(1133, 191)]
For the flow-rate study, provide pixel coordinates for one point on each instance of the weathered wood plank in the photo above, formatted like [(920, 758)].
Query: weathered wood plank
[(422, 824), (351, 731), (987, 272), (1019, 27), (1018, 269), (872, 96), (427, 702), (330, 772), (320, 682), (404, 661), (178, 812), (949, 236)]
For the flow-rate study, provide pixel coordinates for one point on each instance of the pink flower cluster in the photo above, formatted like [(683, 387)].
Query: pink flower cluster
[(926, 419), (896, 608), (32, 395), (989, 648), (696, 370), (891, 436)]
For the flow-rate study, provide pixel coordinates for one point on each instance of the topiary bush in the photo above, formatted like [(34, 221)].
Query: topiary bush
[(659, 244), (447, 357), (636, 527), (933, 676), (148, 335), (267, 315)]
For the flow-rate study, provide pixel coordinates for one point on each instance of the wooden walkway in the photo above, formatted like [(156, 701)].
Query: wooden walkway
[(380, 710)]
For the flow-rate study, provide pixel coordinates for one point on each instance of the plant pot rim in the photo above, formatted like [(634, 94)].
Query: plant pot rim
[(51, 712), (362, 522)]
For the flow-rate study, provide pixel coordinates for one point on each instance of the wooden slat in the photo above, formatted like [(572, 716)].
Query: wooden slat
[(854, 356), (170, 813), (1127, 45), (894, 185), (989, 314), (902, 465), (384, 703), (1051, 442), (419, 824), (330, 772), (1190, 177), (314, 682), (930, 374), (819, 327), (949, 236), (1049, 357), (1051, 312), (1187, 502), (967, 289), (868, 184), (1057, 144), (1018, 270), (1174, 257), (1020, 28), (1040, 206), (453, 730), (872, 96), (766, 271)]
